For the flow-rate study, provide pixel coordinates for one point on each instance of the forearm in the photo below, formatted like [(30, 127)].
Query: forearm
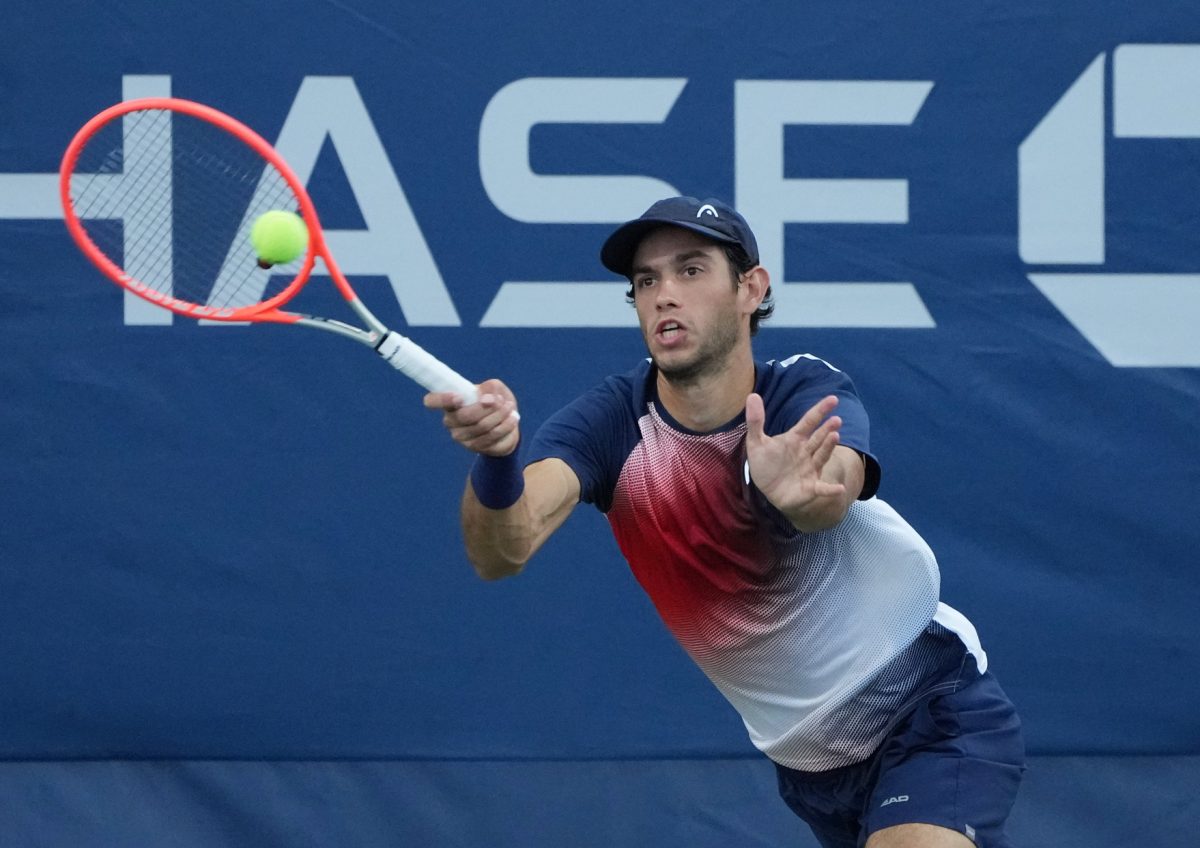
[(507, 510), (498, 541), (501, 535)]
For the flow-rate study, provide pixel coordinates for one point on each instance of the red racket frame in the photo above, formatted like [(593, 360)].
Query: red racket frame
[(265, 311)]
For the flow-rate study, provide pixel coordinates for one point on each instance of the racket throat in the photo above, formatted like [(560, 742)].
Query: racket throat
[(329, 325)]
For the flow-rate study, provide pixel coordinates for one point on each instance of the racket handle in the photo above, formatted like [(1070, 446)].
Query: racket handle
[(415, 362)]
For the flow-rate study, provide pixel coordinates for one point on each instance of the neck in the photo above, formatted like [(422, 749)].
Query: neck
[(708, 400)]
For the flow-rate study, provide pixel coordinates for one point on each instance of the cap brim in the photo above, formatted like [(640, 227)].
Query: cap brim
[(617, 252)]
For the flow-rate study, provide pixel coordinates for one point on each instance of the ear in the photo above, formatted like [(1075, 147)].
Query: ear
[(753, 288)]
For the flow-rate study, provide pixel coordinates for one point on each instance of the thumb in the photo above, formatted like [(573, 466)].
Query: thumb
[(755, 417)]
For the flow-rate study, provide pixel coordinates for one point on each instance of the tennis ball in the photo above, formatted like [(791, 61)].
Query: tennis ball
[(278, 237)]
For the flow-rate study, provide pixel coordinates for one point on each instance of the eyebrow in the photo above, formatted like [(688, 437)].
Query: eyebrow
[(680, 258)]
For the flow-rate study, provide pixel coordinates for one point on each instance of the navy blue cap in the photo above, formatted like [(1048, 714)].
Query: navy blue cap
[(711, 218)]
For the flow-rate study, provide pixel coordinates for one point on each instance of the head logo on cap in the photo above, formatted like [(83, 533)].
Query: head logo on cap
[(707, 207)]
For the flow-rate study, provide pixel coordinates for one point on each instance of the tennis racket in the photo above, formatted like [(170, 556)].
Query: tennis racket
[(161, 194)]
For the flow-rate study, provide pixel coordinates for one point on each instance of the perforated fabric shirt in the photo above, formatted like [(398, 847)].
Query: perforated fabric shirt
[(812, 637)]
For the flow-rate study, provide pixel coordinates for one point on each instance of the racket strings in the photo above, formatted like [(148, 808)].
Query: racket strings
[(170, 200), (144, 247)]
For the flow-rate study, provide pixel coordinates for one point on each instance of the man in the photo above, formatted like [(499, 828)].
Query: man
[(747, 511)]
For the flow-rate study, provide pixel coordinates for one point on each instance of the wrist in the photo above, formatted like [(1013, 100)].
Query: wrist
[(498, 481)]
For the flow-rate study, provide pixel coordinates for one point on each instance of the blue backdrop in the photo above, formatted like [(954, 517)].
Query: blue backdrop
[(240, 544)]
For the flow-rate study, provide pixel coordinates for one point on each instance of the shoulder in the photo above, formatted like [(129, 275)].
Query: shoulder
[(594, 433), (630, 388), (616, 396), (802, 365), (803, 376)]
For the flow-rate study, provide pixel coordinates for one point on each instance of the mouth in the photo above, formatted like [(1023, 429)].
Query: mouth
[(669, 330)]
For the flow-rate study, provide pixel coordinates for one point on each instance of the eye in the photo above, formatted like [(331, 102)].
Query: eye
[(693, 271), (643, 282)]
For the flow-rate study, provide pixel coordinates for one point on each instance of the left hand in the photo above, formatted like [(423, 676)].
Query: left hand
[(787, 468)]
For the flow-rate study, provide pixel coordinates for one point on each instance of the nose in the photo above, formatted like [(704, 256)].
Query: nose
[(665, 293)]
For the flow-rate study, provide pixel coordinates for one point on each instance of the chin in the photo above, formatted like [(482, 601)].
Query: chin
[(679, 371)]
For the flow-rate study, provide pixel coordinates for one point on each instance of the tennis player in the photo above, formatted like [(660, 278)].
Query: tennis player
[(743, 495)]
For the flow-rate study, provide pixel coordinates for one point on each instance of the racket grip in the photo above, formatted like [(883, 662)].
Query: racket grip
[(418, 364)]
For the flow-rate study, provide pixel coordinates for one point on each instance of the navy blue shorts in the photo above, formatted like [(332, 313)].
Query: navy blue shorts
[(955, 760)]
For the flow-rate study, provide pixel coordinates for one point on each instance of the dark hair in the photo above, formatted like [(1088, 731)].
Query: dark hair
[(739, 263)]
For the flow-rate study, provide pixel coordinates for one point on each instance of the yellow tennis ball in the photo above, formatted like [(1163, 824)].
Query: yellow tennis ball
[(278, 237)]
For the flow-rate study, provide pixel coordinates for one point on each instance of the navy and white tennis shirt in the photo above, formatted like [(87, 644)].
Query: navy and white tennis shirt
[(811, 636)]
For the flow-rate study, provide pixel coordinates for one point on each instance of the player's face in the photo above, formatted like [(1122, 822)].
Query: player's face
[(687, 304)]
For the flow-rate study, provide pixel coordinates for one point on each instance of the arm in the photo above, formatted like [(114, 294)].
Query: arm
[(500, 541), (804, 472), (501, 537)]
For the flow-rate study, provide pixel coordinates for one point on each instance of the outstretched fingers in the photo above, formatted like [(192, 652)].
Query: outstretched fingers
[(811, 420), (822, 442), (822, 431), (821, 457)]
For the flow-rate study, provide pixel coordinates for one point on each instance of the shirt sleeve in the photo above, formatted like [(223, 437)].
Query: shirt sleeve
[(593, 435)]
